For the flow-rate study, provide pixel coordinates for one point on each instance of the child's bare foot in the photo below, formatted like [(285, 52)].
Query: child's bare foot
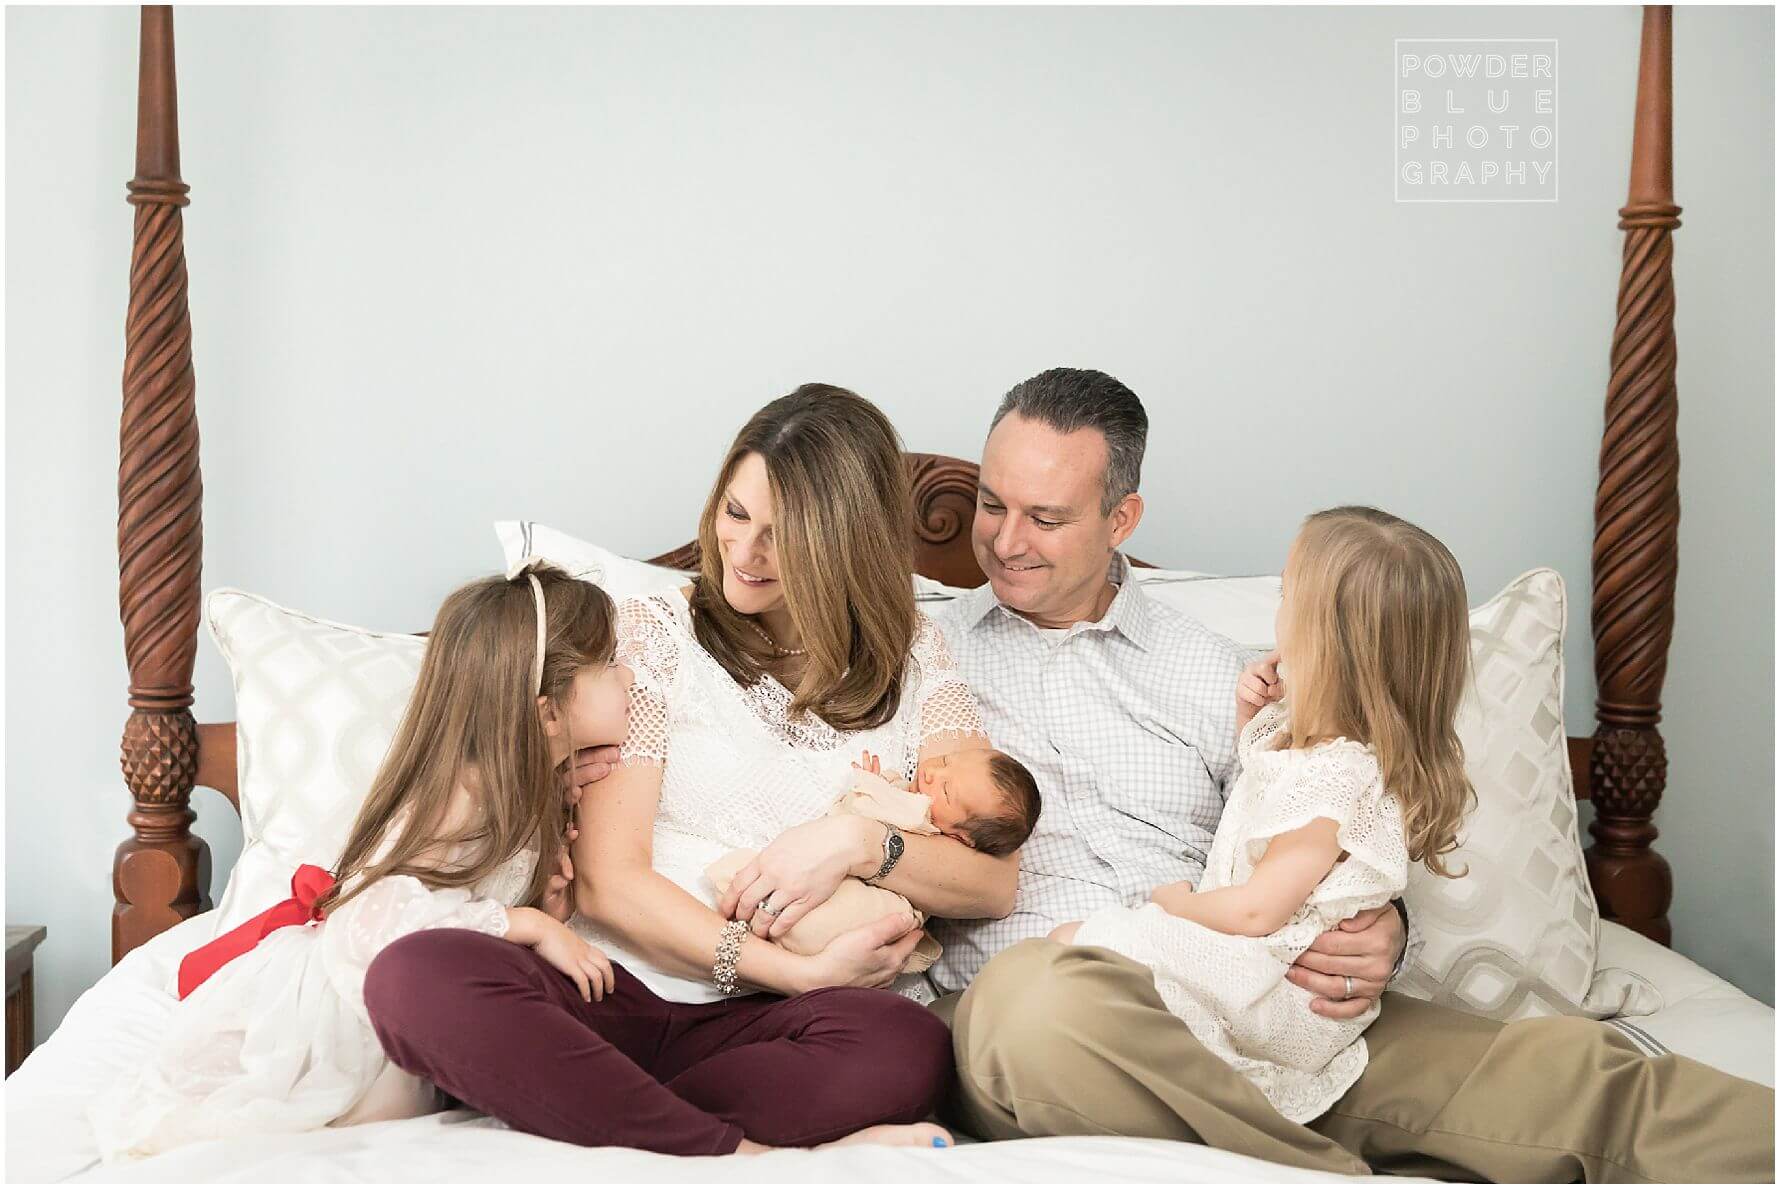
[(912, 1135)]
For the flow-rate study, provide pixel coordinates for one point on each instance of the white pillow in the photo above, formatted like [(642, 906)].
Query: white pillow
[(929, 590), (1516, 935), (622, 577), (1239, 608), (316, 705)]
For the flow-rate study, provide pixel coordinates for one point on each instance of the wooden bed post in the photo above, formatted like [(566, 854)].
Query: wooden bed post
[(162, 874), (1637, 515)]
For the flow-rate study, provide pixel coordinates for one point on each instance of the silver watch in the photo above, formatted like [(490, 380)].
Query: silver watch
[(893, 845)]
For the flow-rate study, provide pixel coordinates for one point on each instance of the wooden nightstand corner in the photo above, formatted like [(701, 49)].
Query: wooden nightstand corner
[(21, 941)]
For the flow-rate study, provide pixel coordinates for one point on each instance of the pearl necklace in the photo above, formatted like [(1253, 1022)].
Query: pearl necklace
[(774, 644)]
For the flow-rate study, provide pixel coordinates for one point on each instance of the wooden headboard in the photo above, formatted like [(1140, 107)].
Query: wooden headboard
[(161, 872), (945, 497)]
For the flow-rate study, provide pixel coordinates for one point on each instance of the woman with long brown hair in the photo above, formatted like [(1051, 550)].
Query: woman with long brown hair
[(796, 647)]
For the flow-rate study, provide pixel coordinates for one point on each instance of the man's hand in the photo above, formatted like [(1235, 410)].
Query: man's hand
[(590, 766), (1365, 948), (1258, 685)]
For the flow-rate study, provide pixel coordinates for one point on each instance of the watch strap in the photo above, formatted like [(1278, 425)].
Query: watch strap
[(893, 847)]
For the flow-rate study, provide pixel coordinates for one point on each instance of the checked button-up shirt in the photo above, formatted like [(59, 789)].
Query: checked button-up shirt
[(1127, 723)]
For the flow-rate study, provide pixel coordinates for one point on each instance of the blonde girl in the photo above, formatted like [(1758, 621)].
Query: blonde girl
[(1347, 777), (464, 827)]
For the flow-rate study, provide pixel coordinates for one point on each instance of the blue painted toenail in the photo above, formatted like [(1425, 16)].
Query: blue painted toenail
[(938, 1142)]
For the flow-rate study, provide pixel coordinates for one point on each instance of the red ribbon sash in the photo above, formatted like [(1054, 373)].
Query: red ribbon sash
[(308, 885)]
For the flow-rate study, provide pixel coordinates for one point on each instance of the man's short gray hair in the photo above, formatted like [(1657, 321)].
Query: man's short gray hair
[(1072, 398)]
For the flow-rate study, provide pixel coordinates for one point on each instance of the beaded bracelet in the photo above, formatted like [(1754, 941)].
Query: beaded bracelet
[(729, 948)]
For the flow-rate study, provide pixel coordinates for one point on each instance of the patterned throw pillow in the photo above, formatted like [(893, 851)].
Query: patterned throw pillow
[(316, 705), (1516, 934)]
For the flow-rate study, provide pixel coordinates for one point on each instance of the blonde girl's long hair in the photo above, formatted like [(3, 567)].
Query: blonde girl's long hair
[(843, 525), (1381, 650), (473, 720)]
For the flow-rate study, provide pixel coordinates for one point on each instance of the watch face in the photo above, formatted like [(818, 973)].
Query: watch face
[(894, 845)]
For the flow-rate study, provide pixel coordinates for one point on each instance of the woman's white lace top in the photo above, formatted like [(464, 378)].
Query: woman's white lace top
[(1231, 992), (277, 1040), (736, 769)]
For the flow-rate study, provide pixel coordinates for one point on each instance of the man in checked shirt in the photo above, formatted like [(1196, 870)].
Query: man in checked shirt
[(1125, 712)]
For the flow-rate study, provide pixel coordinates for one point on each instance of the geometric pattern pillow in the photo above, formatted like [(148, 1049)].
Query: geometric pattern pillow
[(1515, 935), (316, 706)]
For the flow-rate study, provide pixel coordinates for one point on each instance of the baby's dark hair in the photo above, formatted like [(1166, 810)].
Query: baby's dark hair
[(1008, 831)]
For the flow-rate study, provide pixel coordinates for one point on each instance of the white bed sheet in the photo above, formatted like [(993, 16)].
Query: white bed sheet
[(47, 1137)]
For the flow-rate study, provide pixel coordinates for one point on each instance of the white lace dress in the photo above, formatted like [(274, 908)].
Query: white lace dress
[(1231, 992), (277, 1040), (737, 770)]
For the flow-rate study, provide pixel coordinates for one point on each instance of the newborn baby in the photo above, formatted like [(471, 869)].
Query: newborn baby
[(984, 798)]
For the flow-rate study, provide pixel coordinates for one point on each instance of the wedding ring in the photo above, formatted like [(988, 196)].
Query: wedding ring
[(1350, 986), (769, 910)]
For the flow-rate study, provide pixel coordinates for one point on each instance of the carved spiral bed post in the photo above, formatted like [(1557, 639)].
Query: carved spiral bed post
[(1637, 515), (161, 875)]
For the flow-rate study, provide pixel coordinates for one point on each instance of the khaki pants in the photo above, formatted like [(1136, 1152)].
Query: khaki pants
[(1056, 1040)]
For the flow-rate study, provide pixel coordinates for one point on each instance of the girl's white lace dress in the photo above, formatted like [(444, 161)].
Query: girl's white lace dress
[(737, 769), (277, 1040), (1231, 992)]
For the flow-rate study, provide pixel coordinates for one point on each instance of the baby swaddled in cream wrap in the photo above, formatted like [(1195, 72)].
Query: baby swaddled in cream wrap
[(984, 798)]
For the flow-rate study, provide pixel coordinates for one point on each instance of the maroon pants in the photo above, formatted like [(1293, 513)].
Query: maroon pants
[(497, 1027)]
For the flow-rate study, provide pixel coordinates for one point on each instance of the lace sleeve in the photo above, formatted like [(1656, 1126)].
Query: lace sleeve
[(1260, 733), (394, 907), (946, 707), (646, 643), (1338, 781)]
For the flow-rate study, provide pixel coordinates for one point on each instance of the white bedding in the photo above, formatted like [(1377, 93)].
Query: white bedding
[(47, 1138)]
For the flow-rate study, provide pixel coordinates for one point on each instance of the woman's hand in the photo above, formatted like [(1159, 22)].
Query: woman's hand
[(799, 870), (869, 956), (587, 768), (1258, 685), (564, 949)]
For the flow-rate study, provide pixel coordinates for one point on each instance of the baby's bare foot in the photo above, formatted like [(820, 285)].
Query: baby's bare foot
[(912, 1135)]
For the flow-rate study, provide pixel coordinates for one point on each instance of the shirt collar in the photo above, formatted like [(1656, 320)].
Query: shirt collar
[(1128, 613)]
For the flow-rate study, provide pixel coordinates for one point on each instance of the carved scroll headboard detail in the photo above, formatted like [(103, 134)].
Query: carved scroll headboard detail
[(161, 873)]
